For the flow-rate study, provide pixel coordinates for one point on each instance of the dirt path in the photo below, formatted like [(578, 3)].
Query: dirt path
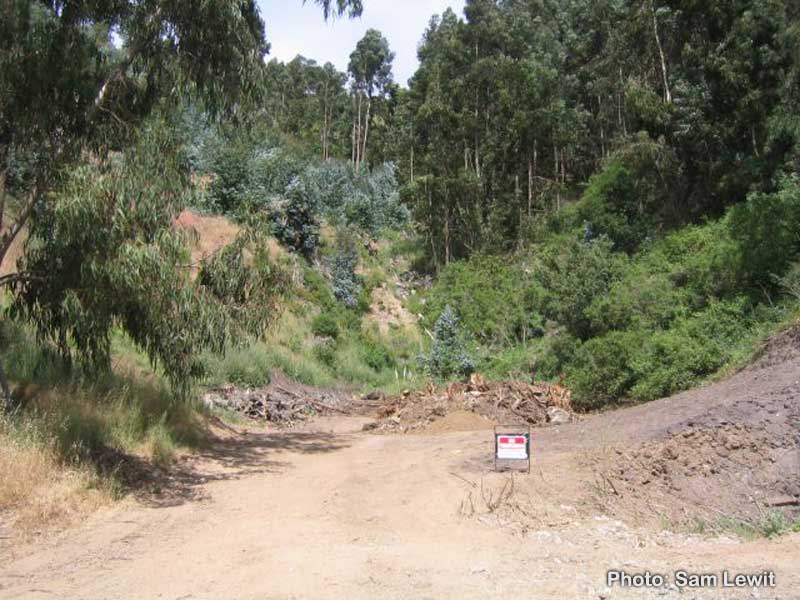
[(324, 513)]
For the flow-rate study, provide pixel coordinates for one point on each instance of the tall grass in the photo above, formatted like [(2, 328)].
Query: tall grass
[(292, 348), (60, 449)]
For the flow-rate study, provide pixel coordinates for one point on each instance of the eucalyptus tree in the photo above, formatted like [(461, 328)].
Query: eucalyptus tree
[(77, 81), (370, 70)]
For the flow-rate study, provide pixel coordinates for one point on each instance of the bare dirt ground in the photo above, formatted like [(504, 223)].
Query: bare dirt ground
[(326, 510)]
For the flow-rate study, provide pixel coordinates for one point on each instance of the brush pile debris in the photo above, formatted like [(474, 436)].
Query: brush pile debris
[(276, 403), (503, 402)]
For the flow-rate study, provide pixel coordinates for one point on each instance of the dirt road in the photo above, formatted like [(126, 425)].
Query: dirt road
[(330, 513)]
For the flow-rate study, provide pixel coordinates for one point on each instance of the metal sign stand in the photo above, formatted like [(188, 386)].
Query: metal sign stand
[(514, 430)]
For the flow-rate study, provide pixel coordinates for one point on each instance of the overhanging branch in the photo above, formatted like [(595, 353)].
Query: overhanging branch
[(13, 278)]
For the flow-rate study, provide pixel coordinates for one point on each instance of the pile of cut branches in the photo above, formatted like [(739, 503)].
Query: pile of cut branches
[(504, 402), (282, 403)]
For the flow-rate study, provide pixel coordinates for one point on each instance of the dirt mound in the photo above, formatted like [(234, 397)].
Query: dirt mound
[(460, 420), (734, 471), (727, 450), (497, 402), (778, 349)]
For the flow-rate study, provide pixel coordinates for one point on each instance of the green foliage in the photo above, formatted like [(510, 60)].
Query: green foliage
[(491, 296), (448, 355), (376, 355), (295, 222), (105, 254), (601, 371), (373, 202), (325, 325), (509, 362), (67, 87), (573, 274), (92, 413), (633, 196), (765, 226), (345, 284), (245, 364), (325, 352), (645, 364), (693, 348), (229, 187)]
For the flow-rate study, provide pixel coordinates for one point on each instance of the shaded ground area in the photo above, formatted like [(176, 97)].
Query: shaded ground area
[(325, 510)]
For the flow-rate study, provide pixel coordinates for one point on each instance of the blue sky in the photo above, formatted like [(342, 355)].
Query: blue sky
[(294, 28)]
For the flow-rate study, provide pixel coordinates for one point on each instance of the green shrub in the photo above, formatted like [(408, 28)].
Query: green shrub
[(517, 361), (766, 227), (295, 220), (641, 299), (554, 354), (325, 352), (490, 296), (448, 355), (246, 365), (325, 325), (231, 176), (645, 365), (376, 355), (697, 346), (633, 196), (573, 274), (345, 284), (601, 370)]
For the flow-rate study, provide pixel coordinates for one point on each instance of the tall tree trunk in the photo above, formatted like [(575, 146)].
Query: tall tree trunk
[(5, 389), (621, 105), (323, 131), (2, 198), (667, 93), (602, 128), (357, 136), (555, 163), (353, 136), (366, 130), (434, 253), (530, 184), (446, 232)]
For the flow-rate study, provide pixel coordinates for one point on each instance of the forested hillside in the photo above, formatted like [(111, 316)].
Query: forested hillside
[(605, 191), (602, 192)]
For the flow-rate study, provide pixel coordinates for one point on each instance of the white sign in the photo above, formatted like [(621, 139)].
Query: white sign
[(511, 446)]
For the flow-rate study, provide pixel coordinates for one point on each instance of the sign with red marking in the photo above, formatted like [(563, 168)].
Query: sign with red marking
[(513, 446)]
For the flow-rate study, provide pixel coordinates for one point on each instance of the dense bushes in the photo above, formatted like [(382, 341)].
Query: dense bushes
[(647, 364), (767, 228), (635, 324), (572, 274), (294, 220), (634, 197), (251, 177), (490, 297)]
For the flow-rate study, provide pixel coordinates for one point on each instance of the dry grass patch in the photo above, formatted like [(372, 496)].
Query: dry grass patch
[(38, 490)]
